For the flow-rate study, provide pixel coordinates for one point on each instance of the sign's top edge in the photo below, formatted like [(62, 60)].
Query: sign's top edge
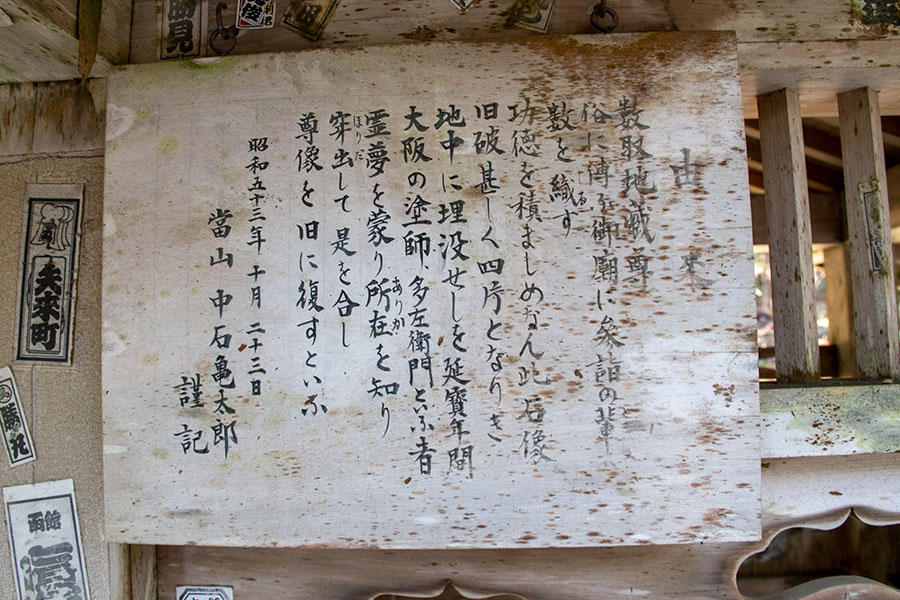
[(218, 63)]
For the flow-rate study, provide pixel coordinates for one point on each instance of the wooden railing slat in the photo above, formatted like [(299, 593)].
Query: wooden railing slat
[(869, 233), (143, 573), (790, 238), (119, 572)]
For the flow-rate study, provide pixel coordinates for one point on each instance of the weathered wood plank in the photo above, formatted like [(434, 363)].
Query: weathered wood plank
[(34, 48), (115, 32), (840, 588), (819, 71), (390, 21), (89, 12), (144, 573), (796, 493), (825, 214), (17, 129), (820, 178), (817, 48), (811, 492), (790, 238), (776, 21), (821, 146), (358, 23), (699, 303), (70, 116), (868, 224), (119, 572), (69, 398), (839, 305), (832, 420), (893, 184)]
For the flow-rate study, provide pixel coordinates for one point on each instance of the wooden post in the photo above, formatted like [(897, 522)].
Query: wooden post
[(790, 240), (143, 573), (839, 300), (868, 225), (119, 572)]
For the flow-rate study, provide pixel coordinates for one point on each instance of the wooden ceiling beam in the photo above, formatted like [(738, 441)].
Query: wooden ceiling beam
[(755, 22), (41, 42), (818, 145), (821, 178), (890, 133), (822, 146), (757, 187), (825, 213), (890, 125), (819, 70), (817, 48)]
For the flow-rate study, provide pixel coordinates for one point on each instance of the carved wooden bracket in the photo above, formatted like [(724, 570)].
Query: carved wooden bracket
[(447, 591), (845, 545)]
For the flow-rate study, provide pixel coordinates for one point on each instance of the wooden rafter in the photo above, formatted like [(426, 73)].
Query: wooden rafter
[(818, 145), (822, 177)]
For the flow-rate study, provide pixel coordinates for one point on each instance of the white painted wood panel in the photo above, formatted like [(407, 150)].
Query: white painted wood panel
[(675, 461)]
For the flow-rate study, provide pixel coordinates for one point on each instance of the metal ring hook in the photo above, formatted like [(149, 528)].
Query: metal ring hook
[(221, 6), (226, 34), (599, 14)]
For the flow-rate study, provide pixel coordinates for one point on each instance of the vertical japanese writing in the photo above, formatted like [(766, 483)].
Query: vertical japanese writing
[(181, 29), (256, 220), (48, 278), (223, 380), (622, 248), (372, 261), (13, 426), (531, 213), (47, 553), (417, 242), (493, 294), (448, 286)]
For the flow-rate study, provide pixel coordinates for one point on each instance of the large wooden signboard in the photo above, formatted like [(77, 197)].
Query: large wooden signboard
[(466, 295)]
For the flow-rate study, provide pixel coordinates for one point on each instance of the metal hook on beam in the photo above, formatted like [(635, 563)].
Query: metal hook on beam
[(227, 35), (598, 16)]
